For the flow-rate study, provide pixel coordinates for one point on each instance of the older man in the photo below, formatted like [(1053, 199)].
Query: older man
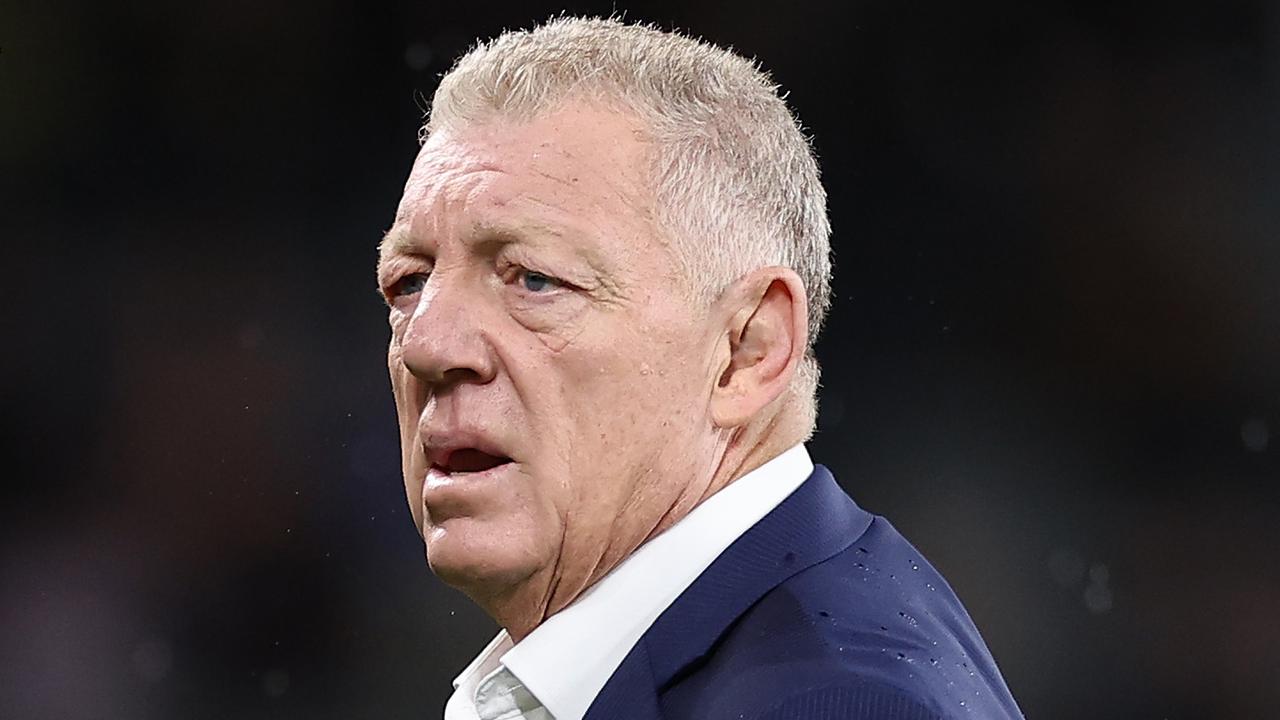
[(604, 280)]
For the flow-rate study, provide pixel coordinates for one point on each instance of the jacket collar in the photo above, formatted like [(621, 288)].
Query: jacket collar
[(814, 523)]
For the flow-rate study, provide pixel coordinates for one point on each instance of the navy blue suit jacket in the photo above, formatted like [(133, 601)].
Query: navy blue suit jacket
[(821, 611)]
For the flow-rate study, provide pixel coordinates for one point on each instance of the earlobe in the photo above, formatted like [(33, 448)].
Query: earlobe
[(765, 337)]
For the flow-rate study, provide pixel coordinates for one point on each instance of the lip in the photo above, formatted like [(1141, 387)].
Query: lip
[(448, 494), (439, 444), (438, 476)]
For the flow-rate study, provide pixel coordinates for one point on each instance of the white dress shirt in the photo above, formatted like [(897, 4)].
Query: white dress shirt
[(556, 672)]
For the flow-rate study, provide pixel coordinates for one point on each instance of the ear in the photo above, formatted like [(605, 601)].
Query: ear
[(763, 344)]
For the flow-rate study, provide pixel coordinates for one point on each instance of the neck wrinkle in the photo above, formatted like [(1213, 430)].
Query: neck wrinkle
[(747, 448)]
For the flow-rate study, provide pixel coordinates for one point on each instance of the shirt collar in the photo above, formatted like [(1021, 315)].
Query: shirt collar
[(567, 659)]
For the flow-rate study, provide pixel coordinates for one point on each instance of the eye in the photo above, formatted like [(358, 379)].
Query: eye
[(410, 284), (536, 282)]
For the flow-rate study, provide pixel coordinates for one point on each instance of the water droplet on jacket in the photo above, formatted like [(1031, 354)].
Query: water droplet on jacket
[(901, 656), (824, 613)]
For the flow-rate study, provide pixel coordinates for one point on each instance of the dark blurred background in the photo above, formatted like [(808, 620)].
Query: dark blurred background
[(1053, 361)]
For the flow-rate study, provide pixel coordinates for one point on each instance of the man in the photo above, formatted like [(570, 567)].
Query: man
[(604, 279)]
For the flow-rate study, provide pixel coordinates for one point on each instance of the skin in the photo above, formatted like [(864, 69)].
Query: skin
[(535, 308)]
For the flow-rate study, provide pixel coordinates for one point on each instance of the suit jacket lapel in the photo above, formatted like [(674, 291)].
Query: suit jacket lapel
[(631, 692), (814, 523)]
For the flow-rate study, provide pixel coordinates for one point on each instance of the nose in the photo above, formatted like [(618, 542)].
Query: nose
[(444, 343)]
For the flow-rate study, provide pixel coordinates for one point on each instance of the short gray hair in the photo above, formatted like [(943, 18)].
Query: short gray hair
[(736, 182)]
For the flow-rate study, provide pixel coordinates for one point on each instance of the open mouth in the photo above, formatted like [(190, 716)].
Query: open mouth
[(470, 460)]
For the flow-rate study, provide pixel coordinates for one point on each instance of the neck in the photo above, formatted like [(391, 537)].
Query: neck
[(749, 447), (523, 607)]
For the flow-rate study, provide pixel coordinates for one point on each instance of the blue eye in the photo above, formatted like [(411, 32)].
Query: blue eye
[(410, 284), (537, 282)]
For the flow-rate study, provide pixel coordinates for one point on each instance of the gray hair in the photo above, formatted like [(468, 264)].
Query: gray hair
[(736, 182)]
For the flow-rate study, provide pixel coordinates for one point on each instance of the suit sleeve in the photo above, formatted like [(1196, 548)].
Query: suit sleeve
[(855, 701)]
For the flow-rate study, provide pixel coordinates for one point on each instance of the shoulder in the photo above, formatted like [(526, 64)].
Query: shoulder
[(873, 632)]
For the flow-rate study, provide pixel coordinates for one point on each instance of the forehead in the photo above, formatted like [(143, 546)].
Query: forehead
[(576, 168)]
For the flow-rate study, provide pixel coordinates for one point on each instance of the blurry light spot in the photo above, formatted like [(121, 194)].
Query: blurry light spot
[(1097, 598), (152, 660), (1256, 434), (1099, 575), (275, 683), (418, 56)]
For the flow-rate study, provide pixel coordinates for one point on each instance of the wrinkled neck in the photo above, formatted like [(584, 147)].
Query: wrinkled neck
[(738, 451)]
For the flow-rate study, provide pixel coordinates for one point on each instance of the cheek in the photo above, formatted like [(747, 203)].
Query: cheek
[(402, 390), (412, 460), (414, 472), (633, 395), (555, 322)]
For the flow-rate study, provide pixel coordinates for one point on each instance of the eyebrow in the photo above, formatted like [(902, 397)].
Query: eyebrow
[(396, 241), (400, 240)]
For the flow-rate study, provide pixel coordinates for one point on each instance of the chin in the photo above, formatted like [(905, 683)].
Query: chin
[(476, 557)]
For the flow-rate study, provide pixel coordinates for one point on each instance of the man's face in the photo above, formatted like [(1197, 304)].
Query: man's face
[(550, 376)]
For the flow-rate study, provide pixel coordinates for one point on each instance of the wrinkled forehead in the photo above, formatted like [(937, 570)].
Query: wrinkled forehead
[(576, 159)]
